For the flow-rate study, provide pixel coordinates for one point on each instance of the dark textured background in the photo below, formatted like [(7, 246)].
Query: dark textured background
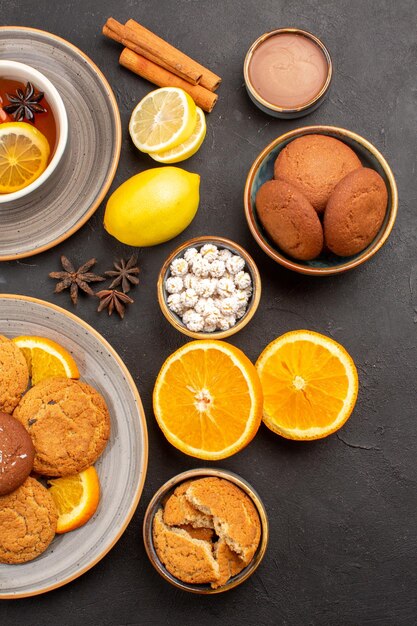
[(343, 510)]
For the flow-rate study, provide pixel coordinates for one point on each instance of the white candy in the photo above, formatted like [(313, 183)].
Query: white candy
[(200, 267), (174, 303), (179, 267), (198, 287), (206, 306), (209, 252), (195, 259), (217, 268), (243, 280), (229, 306), (225, 287), (225, 322), (186, 316), (224, 255), (189, 298), (242, 297), (190, 253), (241, 312), (213, 310), (174, 284), (190, 281), (200, 307), (208, 286), (210, 323), (195, 322), (235, 264)]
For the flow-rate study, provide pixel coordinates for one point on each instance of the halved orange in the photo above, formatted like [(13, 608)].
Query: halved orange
[(76, 498), (46, 358), (208, 399), (310, 385)]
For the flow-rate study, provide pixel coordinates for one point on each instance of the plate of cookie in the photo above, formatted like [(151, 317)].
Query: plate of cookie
[(81, 430)]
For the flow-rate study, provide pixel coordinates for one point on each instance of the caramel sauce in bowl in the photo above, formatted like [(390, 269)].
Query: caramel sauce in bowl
[(287, 72)]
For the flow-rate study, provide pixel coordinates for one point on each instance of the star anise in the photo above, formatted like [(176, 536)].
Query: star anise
[(125, 273), (111, 299), (76, 279), (24, 105)]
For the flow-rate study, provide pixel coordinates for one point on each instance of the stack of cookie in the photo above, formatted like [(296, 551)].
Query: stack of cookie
[(207, 531), (59, 427), (321, 199)]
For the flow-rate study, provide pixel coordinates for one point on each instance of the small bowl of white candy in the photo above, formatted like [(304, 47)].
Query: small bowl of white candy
[(209, 286)]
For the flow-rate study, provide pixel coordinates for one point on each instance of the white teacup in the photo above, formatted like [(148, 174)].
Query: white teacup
[(25, 73)]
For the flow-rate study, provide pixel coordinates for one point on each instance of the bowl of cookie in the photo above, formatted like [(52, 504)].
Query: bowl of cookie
[(206, 531), (320, 200)]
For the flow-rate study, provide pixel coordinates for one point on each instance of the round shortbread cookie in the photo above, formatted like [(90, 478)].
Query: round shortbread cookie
[(28, 520), (315, 164), (69, 424), (14, 375)]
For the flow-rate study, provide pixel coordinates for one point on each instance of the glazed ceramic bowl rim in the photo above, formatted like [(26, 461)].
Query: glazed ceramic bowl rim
[(61, 121), (379, 239), (256, 285), (190, 475), (270, 105)]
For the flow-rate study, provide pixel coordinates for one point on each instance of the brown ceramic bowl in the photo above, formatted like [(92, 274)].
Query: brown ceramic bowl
[(251, 268), (263, 170), (165, 491)]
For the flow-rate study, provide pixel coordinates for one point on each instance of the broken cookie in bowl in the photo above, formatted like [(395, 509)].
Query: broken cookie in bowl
[(206, 531)]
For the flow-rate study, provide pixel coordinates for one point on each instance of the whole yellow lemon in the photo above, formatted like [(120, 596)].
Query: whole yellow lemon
[(153, 206)]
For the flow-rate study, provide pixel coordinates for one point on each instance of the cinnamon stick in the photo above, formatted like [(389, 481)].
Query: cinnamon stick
[(155, 49), (116, 36), (208, 79), (163, 78)]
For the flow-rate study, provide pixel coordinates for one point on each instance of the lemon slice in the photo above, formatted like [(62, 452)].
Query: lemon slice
[(164, 119), (46, 358), (24, 153), (186, 149), (76, 498)]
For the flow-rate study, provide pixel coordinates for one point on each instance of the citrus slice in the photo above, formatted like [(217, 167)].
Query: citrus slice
[(46, 358), (310, 385), (24, 154), (163, 119), (186, 149), (76, 498), (208, 399)]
